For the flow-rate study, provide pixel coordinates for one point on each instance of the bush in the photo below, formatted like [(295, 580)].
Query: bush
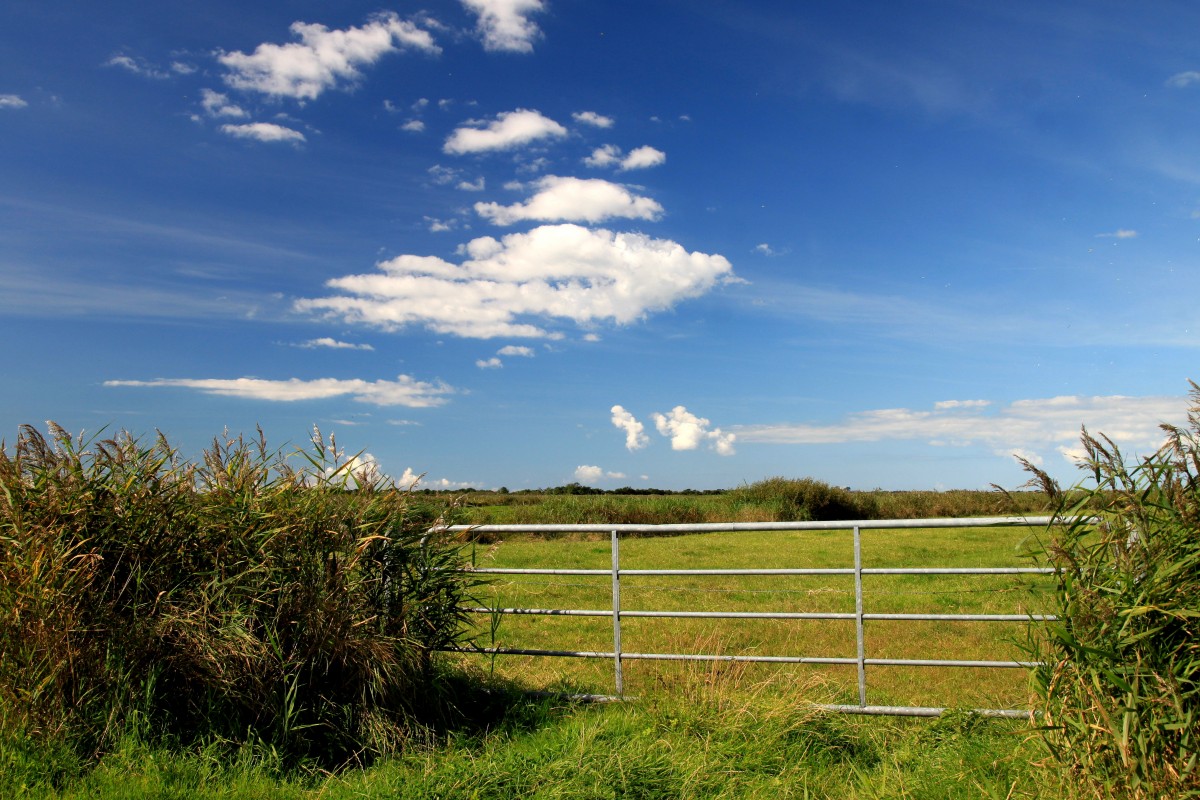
[(805, 499), (1120, 688), (237, 598)]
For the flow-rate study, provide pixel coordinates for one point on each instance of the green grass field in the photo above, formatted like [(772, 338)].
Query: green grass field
[(887, 685)]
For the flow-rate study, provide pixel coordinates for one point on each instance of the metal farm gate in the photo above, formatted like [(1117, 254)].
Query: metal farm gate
[(860, 615)]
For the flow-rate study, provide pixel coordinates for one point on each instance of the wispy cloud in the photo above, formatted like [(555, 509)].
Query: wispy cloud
[(264, 132), (509, 130), (1122, 233), (138, 66), (323, 58), (333, 344), (1033, 427), (563, 272), (504, 25), (1183, 79), (216, 104), (12, 101), (573, 199), (516, 350), (404, 391)]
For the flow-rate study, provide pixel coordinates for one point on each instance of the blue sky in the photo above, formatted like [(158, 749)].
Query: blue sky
[(659, 243)]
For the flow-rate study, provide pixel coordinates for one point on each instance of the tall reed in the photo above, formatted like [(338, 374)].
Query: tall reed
[(1120, 689), (237, 597)]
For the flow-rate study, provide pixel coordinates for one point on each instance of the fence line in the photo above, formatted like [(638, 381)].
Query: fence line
[(860, 615)]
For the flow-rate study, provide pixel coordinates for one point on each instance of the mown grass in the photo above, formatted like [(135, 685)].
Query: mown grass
[(723, 739), (974, 547)]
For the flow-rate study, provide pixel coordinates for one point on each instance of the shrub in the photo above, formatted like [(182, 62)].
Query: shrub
[(235, 598), (805, 499), (1120, 688)]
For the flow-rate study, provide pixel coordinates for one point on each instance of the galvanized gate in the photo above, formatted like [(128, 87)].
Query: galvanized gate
[(857, 569)]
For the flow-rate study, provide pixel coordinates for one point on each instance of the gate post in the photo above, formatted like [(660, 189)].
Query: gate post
[(616, 613), (858, 619)]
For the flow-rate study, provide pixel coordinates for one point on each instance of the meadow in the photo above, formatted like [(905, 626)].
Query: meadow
[(268, 624)]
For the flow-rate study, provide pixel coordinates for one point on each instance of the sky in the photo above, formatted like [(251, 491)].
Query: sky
[(663, 243)]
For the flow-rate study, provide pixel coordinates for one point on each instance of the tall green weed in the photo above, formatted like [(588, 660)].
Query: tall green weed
[(239, 597), (1120, 689)]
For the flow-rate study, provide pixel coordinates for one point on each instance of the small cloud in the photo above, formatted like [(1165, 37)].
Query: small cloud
[(1122, 233), (217, 105), (592, 474), (413, 126), (509, 130), (609, 155), (688, 431), (12, 101), (138, 66), (586, 200), (491, 363), (643, 157), (635, 432), (476, 185), (765, 249), (1181, 80), (516, 350), (403, 423), (604, 156), (440, 225), (333, 344), (264, 132), (443, 175), (592, 118), (181, 68), (504, 25)]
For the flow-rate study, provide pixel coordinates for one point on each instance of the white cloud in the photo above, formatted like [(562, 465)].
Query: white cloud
[(604, 156), (643, 157), (515, 350), (510, 129), (505, 25), (323, 58), (1122, 233), (441, 225), (687, 431), (138, 66), (443, 175), (476, 185), (592, 474), (404, 391), (334, 344), (413, 126), (491, 363), (946, 405), (1183, 79), (553, 272), (12, 101), (263, 132), (765, 249), (592, 118), (1029, 427), (635, 432), (576, 199), (182, 68), (218, 105), (609, 155)]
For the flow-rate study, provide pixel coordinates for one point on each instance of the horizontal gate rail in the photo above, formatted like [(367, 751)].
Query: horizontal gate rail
[(859, 616)]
